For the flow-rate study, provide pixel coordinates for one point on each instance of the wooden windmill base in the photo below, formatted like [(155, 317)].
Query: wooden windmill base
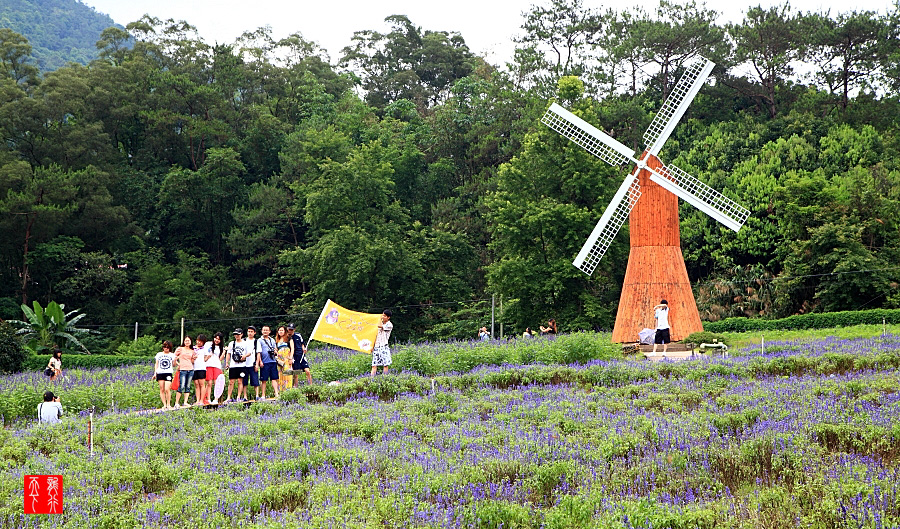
[(655, 273)]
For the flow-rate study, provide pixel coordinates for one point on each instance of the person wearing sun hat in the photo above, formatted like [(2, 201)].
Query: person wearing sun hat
[(237, 355)]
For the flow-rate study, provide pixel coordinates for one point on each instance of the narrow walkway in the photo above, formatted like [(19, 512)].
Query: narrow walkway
[(245, 404)]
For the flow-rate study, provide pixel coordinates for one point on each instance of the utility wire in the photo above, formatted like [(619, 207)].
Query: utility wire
[(773, 279), (271, 316)]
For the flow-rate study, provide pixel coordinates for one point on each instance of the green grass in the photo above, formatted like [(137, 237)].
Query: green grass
[(739, 340)]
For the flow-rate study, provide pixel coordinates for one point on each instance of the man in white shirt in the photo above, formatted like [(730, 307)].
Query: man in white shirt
[(661, 313), (50, 411), (250, 362)]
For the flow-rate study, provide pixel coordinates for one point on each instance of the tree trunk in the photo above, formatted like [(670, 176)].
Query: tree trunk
[(28, 226)]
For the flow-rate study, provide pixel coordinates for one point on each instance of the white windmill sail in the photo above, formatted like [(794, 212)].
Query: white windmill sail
[(676, 104), (612, 152), (606, 229), (589, 137), (701, 196)]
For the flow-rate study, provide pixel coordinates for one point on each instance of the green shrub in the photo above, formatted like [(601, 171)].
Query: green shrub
[(706, 337), (816, 320), (12, 352), (496, 513), (9, 309), (37, 362), (580, 348), (144, 346)]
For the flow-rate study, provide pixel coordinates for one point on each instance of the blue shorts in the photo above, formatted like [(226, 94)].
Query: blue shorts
[(184, 381), (254, 377), (268, 372)]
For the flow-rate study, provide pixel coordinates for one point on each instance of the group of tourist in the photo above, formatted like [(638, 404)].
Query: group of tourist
[(550, 329), (253, 361)]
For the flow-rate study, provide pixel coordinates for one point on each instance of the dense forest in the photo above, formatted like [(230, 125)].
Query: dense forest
[(59, 31), (175, 179)]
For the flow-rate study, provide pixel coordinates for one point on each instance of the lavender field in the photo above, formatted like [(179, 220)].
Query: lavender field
[(566, 434)]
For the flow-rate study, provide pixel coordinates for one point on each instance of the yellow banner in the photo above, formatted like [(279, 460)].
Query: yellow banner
[(346, 328)]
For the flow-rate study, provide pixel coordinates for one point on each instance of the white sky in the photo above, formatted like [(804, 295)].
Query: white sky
[(487, 25)]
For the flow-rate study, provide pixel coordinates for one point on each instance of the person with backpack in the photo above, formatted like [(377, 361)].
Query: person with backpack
[(54, 366), (237, 370), (300, 362), (50, 411), (267, 362), (165, 370)]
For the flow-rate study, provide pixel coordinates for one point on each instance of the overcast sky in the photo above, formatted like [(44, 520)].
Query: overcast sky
[(487, 25)]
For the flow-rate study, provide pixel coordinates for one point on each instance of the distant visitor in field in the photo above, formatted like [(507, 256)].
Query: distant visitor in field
[(250, 362), (185, 356), (285, 356), (381, 354), (54, 366), (528, 333), (300, 362), (550, 328), (165, 369), (50, 411), (267, 362), (483, 334), (661, 313), (236, 368), (200, 370), (215, 354)]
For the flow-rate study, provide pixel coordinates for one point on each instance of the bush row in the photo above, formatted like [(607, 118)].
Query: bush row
[(425, 360), (823, 320), (39, 362), (21, 403), (612, 375)]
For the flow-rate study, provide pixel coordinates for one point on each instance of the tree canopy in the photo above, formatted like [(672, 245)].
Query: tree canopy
[(171, 178)]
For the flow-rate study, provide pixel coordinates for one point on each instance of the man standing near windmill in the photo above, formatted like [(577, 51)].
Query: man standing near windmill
[(661, 313)]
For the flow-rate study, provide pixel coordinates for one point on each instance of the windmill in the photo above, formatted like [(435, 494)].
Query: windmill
[(649, 196)]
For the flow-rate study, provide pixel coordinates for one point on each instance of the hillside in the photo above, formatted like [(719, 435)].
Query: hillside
[(59, 31)]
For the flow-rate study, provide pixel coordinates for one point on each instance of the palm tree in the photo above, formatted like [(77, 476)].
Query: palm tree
[(49, 327)]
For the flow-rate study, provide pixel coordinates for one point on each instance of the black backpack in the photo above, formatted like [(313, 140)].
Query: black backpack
[(237, 355)]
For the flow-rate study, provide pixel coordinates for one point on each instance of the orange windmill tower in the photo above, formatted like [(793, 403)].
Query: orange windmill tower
[(649, 196)]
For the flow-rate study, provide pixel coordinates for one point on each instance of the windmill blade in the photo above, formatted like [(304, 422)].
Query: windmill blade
[(592, 139), (701, 196), (608, 226), (677, 102)]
